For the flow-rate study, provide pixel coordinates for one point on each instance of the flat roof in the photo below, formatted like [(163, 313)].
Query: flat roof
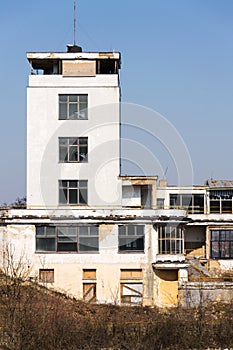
[(73, 55)]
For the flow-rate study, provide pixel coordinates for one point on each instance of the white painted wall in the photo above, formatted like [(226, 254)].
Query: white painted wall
[(101, 128)]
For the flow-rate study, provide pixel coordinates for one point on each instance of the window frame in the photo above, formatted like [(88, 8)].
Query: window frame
[(131, 238), (179, 201), (69, 236), (170, 239), (217, 239), (73, 194), (70, 146), (65, 105)]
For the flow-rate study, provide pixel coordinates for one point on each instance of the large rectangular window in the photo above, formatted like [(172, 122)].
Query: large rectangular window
[(73, 149), (221, 244), (221, 201), (131, 238), (73, 192), (170, 239), (72, 107), (67, 238), (193, 203)]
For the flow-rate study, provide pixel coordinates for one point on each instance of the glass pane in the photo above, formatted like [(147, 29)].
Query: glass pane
[(73, 141), (62, 196), (63, 98), (40, 230), (83, 98), (82, 183), (199, 203), (63, 154), (94, 230), (67, 247), (88, 244), (214, 250), (45, 244), (82, 111), (186, 200), (82, 153), (73, 111), (73, 98), (121, 230), (140, 230), (83, 196), (73, 154), (50, 231), (215, 206), (67, 239), (73, 184), (215, 235), (72, 231), (63, 141), (222, 236), (62, 111), (225, 249), (62, 231), (131, 230), (83, 230), (73, 197), (83, 141), (131, 244), (226, 206)]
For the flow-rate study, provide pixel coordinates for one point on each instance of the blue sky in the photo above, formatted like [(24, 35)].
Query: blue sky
[(177, 59)]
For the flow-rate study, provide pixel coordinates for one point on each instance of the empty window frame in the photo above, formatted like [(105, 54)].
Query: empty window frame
[(73, 107), (73, 192), (221, 201), (171, 239), (131, 238), (193, 203), (73, 149), (221, 244), (46, 275), (67, 238)]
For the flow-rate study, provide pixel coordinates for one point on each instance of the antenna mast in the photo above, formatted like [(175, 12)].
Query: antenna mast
[(74, 22)]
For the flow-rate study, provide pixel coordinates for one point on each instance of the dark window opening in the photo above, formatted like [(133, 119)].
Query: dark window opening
[(67, 239), (221, 244), (131, 238)]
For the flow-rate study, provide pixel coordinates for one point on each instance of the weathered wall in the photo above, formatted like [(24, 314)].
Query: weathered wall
[(202, 293)]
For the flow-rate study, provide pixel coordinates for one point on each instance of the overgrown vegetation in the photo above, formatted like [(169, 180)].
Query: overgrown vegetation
[(32, 317)]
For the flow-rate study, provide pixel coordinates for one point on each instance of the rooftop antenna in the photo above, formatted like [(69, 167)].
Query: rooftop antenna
[(74, 22), (74, 48)]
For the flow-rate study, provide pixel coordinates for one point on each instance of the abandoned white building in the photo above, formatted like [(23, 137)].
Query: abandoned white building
[(97, 235)]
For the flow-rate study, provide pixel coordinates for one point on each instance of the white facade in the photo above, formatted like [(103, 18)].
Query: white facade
[(44, 128)]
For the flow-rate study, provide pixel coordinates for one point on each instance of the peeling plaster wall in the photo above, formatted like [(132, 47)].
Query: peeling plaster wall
[(201, 293)]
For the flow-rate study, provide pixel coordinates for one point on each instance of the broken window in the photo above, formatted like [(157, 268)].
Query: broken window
[(170, 239), (131, 286), (72, 149), (89, 285), (67, 238), (193, 203), (221, 201), (107, 66), (72, 107), (221, 244), (73, 192), (46, 275), (131, 238)]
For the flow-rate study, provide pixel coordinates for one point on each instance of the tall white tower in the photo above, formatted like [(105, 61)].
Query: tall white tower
[(73, 129)]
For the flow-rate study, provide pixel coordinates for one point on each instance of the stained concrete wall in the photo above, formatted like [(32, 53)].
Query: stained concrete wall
[(194, 294)]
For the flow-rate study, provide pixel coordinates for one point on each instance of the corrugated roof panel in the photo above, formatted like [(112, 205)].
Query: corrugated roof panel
[(220, 183)]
